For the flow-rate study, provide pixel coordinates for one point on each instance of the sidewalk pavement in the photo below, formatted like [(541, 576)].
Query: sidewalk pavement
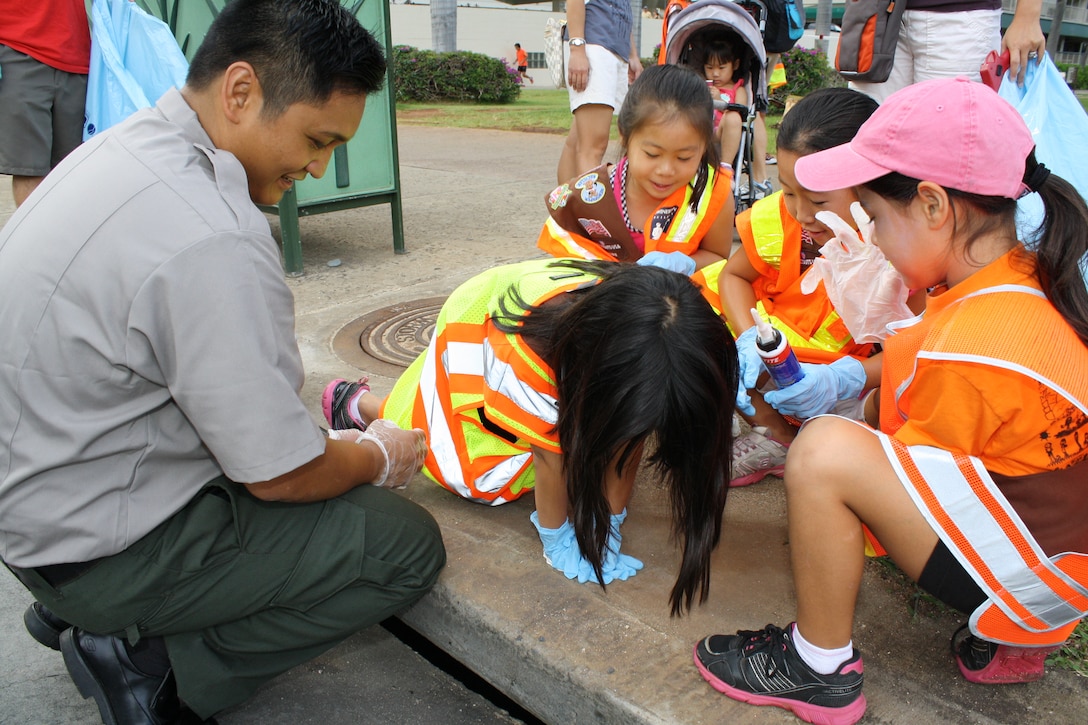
[(569, 653)]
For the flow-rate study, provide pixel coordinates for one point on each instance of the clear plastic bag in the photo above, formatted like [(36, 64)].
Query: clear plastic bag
[(1059, 126)]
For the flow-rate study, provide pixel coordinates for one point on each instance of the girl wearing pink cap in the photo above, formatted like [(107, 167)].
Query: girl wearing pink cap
[(973, 481)]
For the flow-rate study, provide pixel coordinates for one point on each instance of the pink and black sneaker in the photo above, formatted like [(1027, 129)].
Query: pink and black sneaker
[(335, 404), (763, 668), (990, 663)]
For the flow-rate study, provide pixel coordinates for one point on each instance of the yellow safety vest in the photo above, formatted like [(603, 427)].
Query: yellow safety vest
[(772, 239), (472, 371)]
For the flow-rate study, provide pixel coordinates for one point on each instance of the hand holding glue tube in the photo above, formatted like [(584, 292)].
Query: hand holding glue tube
[(804, 390), (867, 291), (778, 357)]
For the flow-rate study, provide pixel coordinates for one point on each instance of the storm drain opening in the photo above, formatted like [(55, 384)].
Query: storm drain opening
[(388, 340)]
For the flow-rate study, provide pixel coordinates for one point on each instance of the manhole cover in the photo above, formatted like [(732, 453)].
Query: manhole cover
[(386, 341)]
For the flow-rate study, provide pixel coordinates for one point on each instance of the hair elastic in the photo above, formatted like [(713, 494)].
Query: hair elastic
[(1037, 177)]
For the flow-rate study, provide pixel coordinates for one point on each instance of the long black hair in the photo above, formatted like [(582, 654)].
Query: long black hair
[(640, 358), (824, 118), (1058, 255)]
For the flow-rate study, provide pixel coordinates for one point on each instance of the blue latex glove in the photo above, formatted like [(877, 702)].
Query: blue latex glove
[(619, 566), (821, 388), (751, 365), (672, 261), (562, 553)]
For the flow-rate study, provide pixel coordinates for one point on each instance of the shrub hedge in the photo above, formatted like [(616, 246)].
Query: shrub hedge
[(806, 71), (426, 76), (1081, 83)]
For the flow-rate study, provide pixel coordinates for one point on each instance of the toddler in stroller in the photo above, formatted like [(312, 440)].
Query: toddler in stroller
[(727, 34)]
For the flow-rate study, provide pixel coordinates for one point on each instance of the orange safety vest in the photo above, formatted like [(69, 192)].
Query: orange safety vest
[(772, 239), (471, 368), (1034, 600), (585, 222), (673, 7)]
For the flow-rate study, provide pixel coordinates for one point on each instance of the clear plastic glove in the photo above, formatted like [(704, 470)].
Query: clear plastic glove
[(822, 387), (672, 261), (402, 450), (751, 365), (864, 287), (562, 553), (617, 565)]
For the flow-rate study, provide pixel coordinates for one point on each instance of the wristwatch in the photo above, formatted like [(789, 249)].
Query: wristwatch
[(574, 42)]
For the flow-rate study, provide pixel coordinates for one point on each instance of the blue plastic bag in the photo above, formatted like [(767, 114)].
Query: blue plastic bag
[(134, 60), (1059, 126)]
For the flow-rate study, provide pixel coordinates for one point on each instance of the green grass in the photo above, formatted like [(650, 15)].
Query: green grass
[(540, 111), (536, 111)]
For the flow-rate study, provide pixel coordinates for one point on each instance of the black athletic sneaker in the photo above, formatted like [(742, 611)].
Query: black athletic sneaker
[(334, 402), (763, 668)]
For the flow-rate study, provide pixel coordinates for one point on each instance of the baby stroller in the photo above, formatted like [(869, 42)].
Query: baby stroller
[(745, 20)]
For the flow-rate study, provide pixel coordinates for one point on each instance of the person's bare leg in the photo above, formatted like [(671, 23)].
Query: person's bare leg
[(22, 186), (778, 427), (759, 148), (837, 476), (587, 141), (618, 488), (730, 131)]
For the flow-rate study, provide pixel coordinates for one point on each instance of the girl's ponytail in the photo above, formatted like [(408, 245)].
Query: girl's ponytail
[(1061, 252)]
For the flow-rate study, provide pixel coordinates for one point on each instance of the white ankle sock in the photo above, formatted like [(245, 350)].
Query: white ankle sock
[(353, 405), (822, 661)]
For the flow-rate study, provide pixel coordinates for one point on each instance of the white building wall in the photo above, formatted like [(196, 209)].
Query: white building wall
[(493, 32)]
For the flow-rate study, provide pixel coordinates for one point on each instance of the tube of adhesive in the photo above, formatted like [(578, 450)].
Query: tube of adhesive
[(778, 356)]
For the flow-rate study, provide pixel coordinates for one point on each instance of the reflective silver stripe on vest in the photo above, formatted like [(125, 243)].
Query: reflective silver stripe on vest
[(466, 358), (990, 542), (502, 378), (438, 431), (572, 245)]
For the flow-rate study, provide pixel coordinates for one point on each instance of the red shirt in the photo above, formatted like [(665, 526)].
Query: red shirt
[(55, 32)]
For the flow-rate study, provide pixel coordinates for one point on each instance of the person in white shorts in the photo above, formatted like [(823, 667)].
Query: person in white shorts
[(601, 58), (949, 38)]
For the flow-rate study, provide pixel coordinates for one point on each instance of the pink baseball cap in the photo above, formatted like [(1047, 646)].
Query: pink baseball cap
[(954, 132)]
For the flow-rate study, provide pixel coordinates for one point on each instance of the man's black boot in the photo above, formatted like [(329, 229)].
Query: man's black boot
[(44, 626)]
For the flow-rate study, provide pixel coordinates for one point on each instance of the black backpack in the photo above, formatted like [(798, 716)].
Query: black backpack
[(784, 25)]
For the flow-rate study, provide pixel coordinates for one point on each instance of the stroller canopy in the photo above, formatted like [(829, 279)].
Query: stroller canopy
[(703, 13)]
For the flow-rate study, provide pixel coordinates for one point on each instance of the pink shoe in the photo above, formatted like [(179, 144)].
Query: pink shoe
[(334, 403), (755, 456), (990, 663)]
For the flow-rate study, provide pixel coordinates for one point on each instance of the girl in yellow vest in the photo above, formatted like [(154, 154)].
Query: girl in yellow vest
[(553, 376), (781, 238), (667, 201), (975, 481)]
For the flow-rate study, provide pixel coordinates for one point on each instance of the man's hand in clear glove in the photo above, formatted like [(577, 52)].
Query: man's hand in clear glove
[(402, 450)]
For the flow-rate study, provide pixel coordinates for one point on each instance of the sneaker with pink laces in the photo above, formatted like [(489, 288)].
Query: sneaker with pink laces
[(756, 455)]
